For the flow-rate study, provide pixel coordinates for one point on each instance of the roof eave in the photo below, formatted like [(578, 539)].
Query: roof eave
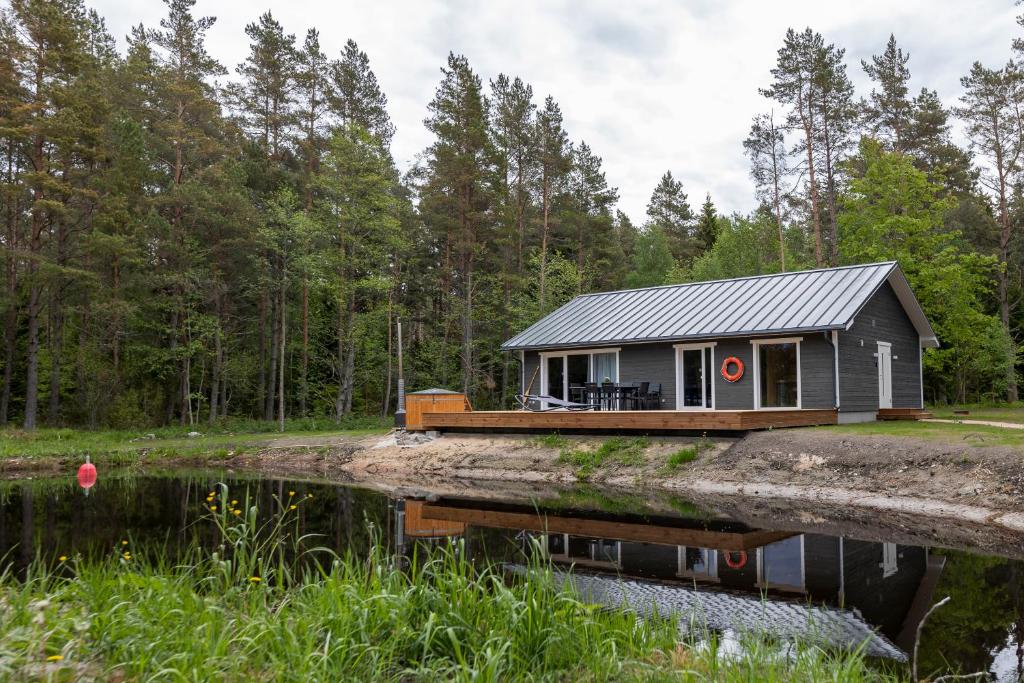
[(596, 344)]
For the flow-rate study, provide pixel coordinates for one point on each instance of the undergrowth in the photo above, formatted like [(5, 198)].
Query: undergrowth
[(617, 450)]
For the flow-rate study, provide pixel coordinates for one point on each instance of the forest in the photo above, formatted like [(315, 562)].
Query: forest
[(185, 241)]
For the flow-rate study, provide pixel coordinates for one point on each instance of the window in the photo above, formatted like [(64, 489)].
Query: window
[(781, 564), (561, 370), (890, 560), (698, 563), (777, 373)]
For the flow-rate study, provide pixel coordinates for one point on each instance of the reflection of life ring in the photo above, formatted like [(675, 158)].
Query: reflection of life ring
[(732, 376), (739, 563)]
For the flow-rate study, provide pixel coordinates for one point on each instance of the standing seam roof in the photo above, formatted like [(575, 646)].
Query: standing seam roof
[(768, 304)]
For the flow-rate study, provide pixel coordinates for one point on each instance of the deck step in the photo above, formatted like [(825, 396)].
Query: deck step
[(903, 414)]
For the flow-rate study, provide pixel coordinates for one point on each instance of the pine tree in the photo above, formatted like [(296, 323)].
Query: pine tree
[(769, 168), (669, 209), (356, 95), (837, 117), (706, 232), (796, 85), (992, 106), (554, 162), (889, 110), (461, 167)]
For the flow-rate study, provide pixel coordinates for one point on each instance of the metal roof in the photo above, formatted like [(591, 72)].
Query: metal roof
[(718, 610), (811, 300)]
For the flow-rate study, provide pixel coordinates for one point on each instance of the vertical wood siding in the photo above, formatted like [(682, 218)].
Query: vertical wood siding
[(881, 319)]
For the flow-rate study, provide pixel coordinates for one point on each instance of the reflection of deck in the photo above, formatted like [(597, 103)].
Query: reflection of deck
[(626, 420), (597, 528)]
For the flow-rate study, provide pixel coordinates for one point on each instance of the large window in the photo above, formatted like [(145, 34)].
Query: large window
[(781, 564), (560, 371), (778, 374)]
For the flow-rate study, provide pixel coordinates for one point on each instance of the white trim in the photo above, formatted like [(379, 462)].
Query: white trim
[(884, 374), (710, 561), (890, 563), (761, 583), (835, 369), (707, 402), (920, 369), (576, 352), (757, 343), (544, 356), (522, 371)]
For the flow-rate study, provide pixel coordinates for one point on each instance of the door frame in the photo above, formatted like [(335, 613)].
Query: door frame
[(564, 354), (708, 401), (884, 373)]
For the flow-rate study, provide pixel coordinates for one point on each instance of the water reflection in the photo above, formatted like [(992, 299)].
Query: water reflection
[(717, 571)]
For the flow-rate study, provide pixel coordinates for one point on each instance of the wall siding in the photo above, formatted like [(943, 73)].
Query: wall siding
[(657, 363), (881, 319)]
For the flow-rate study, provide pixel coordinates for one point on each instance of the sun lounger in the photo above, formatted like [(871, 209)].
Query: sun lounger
[(527, 401)]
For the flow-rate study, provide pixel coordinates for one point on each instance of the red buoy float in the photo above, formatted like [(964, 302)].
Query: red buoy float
[(739, 563), (87, 475), (732, 375)]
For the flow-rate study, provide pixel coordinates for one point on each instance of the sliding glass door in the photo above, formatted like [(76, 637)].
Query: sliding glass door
[(694, 390), (562, 371)]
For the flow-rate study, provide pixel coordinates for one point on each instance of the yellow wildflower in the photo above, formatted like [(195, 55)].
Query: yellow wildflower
[(309, 495), (124, 542), (213, 508), (255, 579), (236, 512), (291, 493), (54, 658), (63, 558), (234, 502), (292, 507)]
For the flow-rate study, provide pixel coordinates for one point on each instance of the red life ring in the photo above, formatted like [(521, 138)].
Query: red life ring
[(739, 563), (732, 376)]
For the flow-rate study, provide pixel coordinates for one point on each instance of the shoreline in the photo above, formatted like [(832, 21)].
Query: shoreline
[(835, 482)]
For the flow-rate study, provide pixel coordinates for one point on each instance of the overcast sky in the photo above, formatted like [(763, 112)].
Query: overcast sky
[(648, 85)]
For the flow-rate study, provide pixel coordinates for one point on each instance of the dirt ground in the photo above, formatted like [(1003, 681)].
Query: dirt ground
[(961, 495)]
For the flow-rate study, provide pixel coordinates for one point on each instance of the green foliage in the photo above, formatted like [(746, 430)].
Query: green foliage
[(617, 450), (652, 259), (682, 457), (744, 246), (553, 440), (892, 211)]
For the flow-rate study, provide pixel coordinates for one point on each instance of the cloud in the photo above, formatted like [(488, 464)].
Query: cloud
[(649, 85)]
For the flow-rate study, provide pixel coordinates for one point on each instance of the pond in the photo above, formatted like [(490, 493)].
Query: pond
[(712, 570)]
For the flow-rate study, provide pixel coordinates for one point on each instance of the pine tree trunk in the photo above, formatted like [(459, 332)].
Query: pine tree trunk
[(385, 404), (215, 375), (261, 377), (304, 391), (35, 294), (281, 355), (268, 408), (1003, 282), (56, 352), (544, 245), (808, 124)]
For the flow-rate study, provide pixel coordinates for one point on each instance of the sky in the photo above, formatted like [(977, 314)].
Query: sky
[(650, 86)]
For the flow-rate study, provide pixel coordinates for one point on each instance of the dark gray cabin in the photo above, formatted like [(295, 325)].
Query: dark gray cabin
[(847, 338)]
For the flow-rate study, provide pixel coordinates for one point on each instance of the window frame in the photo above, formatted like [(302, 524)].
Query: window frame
[(709, 401), (757, 344), (564, 354)]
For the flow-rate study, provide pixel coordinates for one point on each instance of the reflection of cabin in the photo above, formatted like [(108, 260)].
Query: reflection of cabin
[(416, 525), (736, 576)]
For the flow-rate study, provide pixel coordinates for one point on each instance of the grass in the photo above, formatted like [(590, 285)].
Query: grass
[(975, 435), (618, 450), (121, 447), (257, 607), (682, 457), (995, 412)]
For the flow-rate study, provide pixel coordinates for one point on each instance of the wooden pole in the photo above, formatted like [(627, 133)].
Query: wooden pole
[(400, 410)]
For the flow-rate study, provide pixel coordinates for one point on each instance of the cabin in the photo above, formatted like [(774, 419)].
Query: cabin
[(834, 345)]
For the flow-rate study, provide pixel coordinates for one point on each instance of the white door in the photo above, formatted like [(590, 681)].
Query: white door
[(884, 375), (693, 377)]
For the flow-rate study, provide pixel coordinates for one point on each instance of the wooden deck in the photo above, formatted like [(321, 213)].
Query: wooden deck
[(628, 420), (664, 534)]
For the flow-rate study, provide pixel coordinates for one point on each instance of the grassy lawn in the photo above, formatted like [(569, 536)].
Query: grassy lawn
[(994, 413), (125, 446), (975, 435)]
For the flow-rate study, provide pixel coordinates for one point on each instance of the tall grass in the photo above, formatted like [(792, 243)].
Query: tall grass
[(264, 604)]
